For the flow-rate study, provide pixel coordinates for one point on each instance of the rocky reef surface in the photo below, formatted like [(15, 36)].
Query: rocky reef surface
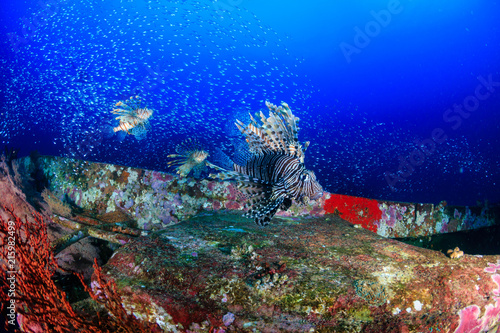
[(156, 200), (187, 261), (318, 274)]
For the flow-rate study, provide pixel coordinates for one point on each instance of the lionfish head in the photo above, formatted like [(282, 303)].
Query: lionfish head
[(311, 189), (199, 156)]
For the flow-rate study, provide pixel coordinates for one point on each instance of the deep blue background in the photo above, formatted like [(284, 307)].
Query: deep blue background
[(202, 64)]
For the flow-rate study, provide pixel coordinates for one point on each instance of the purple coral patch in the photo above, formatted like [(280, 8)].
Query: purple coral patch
[(469, 322), (129, 204), (492, 268), (228, 318), (496, 279)]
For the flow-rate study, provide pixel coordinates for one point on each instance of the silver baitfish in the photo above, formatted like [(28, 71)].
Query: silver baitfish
[(273, 173)]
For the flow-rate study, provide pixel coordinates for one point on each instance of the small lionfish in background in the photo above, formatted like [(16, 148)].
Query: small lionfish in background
[(190, 157), (273, 174), (133, 117)]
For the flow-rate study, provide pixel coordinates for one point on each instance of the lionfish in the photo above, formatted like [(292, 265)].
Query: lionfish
[(133, 117), (190, 157), (273, 174)]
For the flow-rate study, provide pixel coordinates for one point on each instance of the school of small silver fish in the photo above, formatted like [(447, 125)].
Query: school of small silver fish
[(200, 65)]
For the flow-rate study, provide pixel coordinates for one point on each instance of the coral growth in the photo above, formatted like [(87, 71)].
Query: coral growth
[(493, 268), (372, 292), (28, 265), (33, 298), (473, 320), (56, 206), (355, 210), (104, 292)]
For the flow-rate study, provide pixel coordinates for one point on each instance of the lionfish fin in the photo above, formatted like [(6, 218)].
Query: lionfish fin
[(279, 189), (257, 141), (225, 174), (253, 191), (265, 219), (263, 211), (275, 134)]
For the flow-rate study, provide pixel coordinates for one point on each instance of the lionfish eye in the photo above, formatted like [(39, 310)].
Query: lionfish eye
[(304, 176)]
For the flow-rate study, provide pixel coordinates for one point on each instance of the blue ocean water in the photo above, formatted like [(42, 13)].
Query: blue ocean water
[(399, 99)]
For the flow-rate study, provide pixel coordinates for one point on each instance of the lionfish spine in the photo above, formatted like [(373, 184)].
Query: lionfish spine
[(254, 138), (144, 114)]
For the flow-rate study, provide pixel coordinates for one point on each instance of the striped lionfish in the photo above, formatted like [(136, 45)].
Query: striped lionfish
[(273, 174), (134, 119), (190, 156)]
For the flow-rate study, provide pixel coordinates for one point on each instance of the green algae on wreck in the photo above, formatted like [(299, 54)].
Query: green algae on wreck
[(309, 274)]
